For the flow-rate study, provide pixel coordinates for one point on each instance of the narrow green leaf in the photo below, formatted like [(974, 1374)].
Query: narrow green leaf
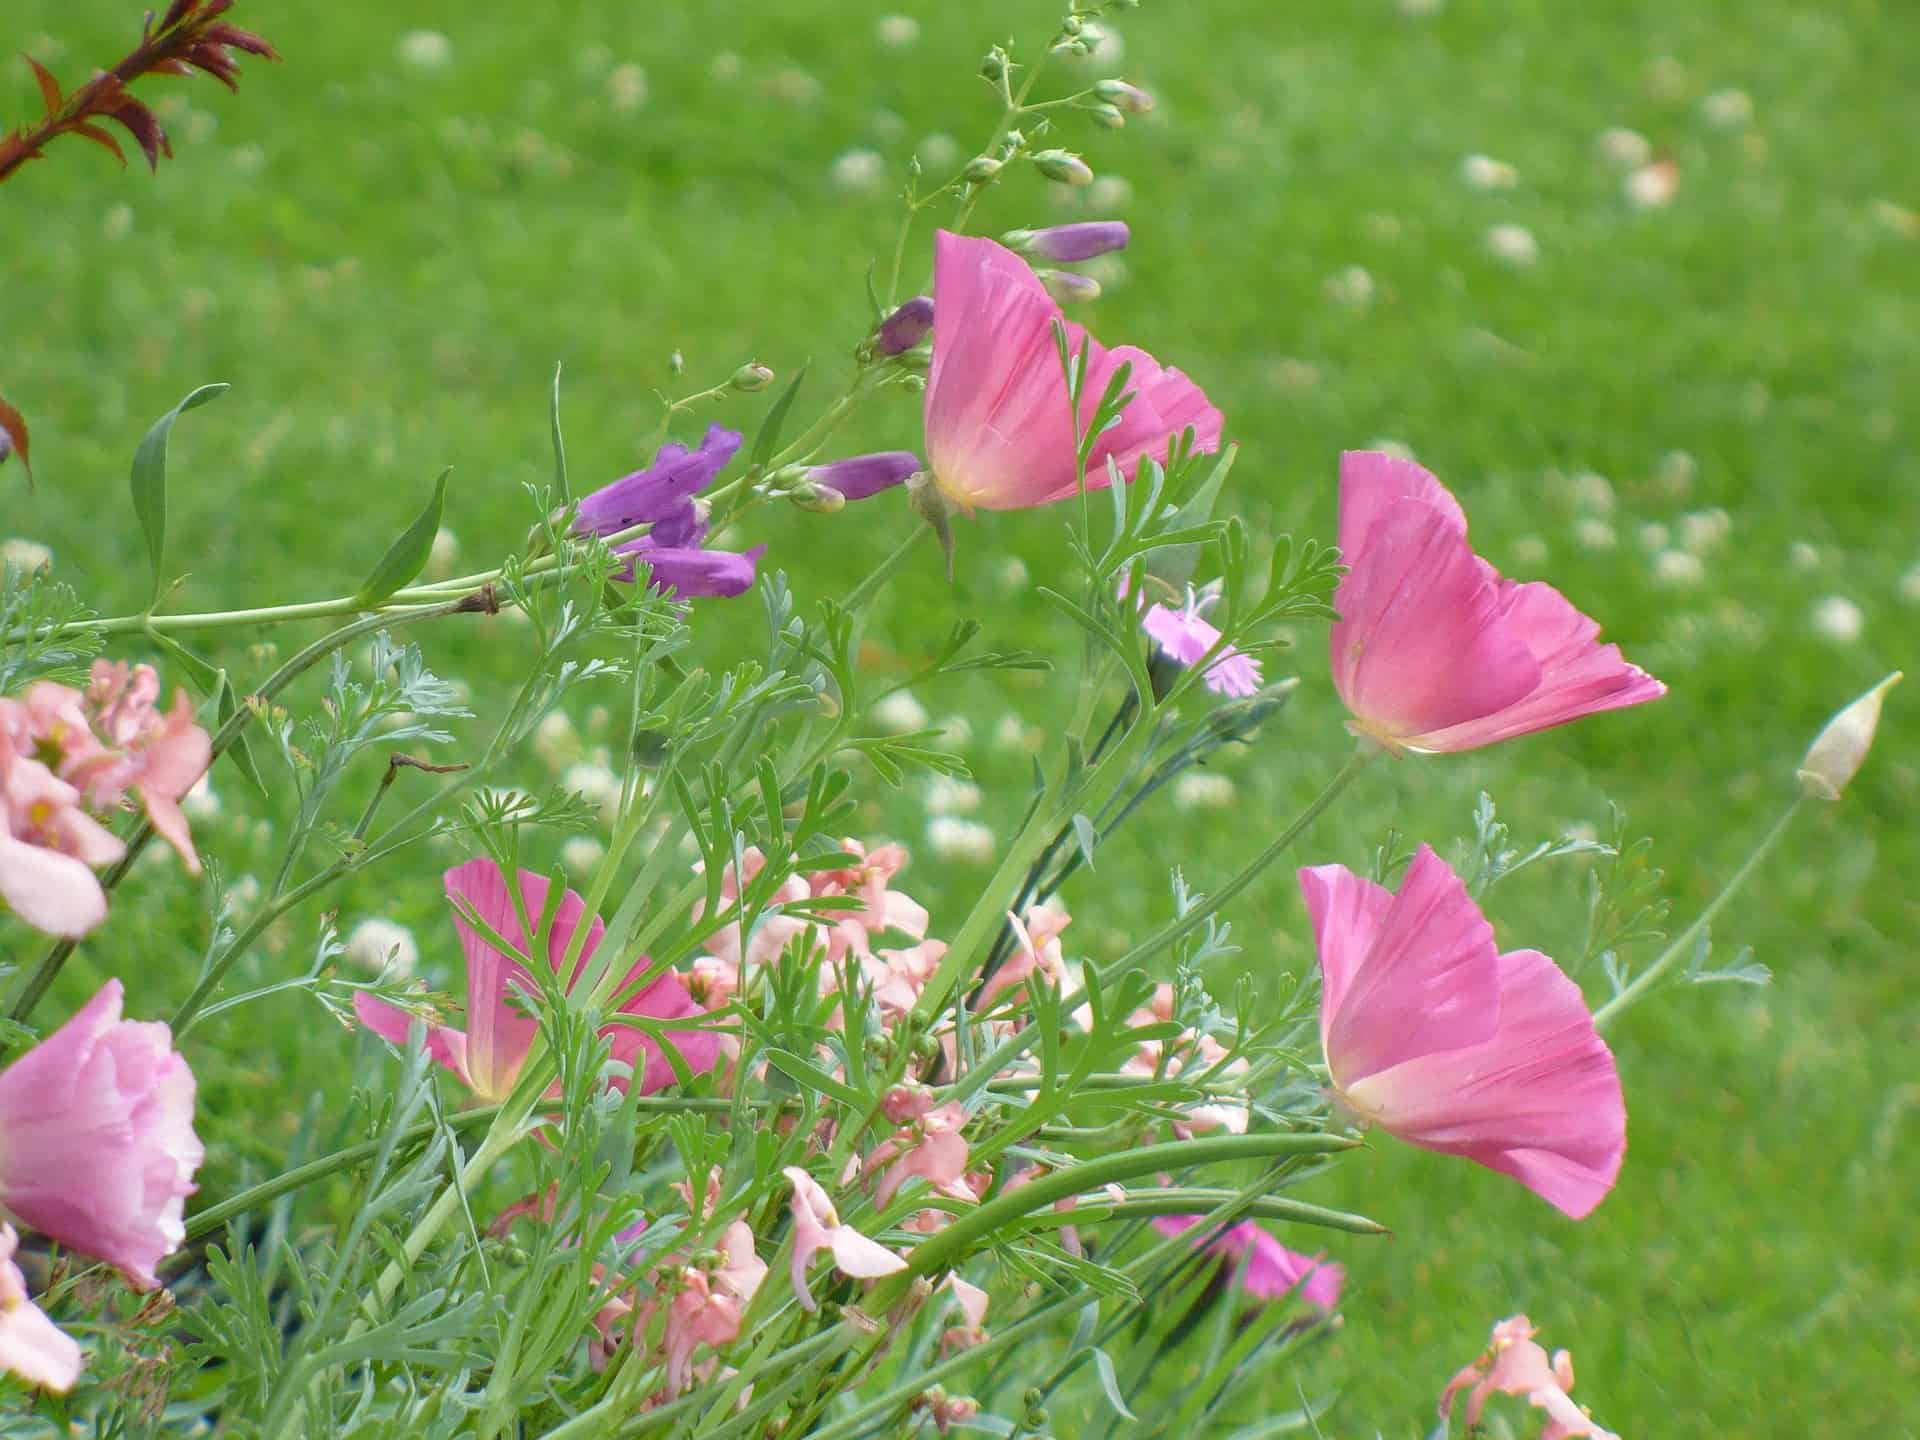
[(1175, 562), (407, 556), (768, 440), (813, 1077), (1086, 836), (1110, 1382), (559, 444), (149, 480)]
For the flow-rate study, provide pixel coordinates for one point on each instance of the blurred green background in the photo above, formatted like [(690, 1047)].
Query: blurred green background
[(1661, 340)]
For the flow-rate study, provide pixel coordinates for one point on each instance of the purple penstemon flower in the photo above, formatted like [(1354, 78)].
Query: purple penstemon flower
[(1065, 244), (662, 496), (859, 477), (1184, 636)]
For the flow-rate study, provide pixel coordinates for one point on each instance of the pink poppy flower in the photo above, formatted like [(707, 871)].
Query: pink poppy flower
[(1434, 1036), (97, 1148), (817, 1227), (31, 1345), (488, 1054), (1433, 650), (1273, 1272), (999, 436), (1515, 1365)]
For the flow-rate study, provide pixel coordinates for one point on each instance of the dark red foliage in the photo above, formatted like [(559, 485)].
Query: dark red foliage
[(190, 36)]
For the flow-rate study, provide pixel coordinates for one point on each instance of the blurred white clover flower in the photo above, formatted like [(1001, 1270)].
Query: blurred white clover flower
[(380, 945)]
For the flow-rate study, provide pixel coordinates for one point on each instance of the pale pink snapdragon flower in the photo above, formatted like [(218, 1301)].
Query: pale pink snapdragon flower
[(999, 436), (31, 1345), (1191, 1051), (97, 1148), (972, 1301), (1433, 650), (49, 845), (817, 1227), (161, 755), (882, 908), (1514, 1364), (898, 976), (1037, 951), (774, 930), (709, 1306), (931, 1147), (1436, 1037), (1272, 1271), (488, 1053)]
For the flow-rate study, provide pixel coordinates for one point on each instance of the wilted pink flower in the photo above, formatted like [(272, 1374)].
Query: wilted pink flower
[(1433, 651), (1433, 1035), (817, 1227), (1273, 1272), (1515, 1365), (31, 1345), (931, 1147), (1185, 637), (487, 1055), (97, 1148), (998, 433)]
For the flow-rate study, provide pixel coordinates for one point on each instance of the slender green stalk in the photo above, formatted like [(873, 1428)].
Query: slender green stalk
[(1211, 903), (1637, 989)]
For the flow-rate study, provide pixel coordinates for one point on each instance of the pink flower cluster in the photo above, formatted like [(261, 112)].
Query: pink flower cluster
[(70, 756)]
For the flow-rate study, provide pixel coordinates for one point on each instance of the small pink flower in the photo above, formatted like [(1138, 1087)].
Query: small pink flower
[(1184, 636), (1515, 1365), (932, 1147), (817, 1227), (488, 1054), (97, 1148), (774, 932), (1273, 1272), (1436, 1037), (31, 1345), (882, 908), (898, 976), (1433, 650), (1038, 950), (999, 436)]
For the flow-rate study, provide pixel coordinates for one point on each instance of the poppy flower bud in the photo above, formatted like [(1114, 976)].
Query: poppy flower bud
[(1064, 166), (1068, 287), (906, 327), (749, 378), (1130, 98), (1838, 752)]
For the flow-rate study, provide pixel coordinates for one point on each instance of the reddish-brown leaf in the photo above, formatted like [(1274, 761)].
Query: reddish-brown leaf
[(241, 40), (15, 428), (174, 12), (217, 63), (144, 126), (49, 87), (101, 138)]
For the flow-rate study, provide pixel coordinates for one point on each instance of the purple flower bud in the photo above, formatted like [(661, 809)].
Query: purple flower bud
[(1130, 98), (1068, 286), (905, 327), (661, 492), (1068, 243), (860, 476), (688, 572)]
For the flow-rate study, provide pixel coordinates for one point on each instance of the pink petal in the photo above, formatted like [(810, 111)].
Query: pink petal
[(1370, 481), (665, 998), (1539, 1099), (171, 826), (1429, 983), (36, 1349), (1578, 675), (499, 1033), (854, 1254), (1420, 644), (445, 1044), (52, 892), (1347, 911)]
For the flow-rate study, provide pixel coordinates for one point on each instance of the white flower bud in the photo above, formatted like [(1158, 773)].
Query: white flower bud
[(1836, 755)]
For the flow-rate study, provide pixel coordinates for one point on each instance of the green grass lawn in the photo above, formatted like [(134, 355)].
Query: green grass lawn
[(387, 259)]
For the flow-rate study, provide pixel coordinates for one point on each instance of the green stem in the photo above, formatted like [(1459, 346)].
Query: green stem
[(858, 597), (1646, 979), (1211, 903), (50, 965)]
